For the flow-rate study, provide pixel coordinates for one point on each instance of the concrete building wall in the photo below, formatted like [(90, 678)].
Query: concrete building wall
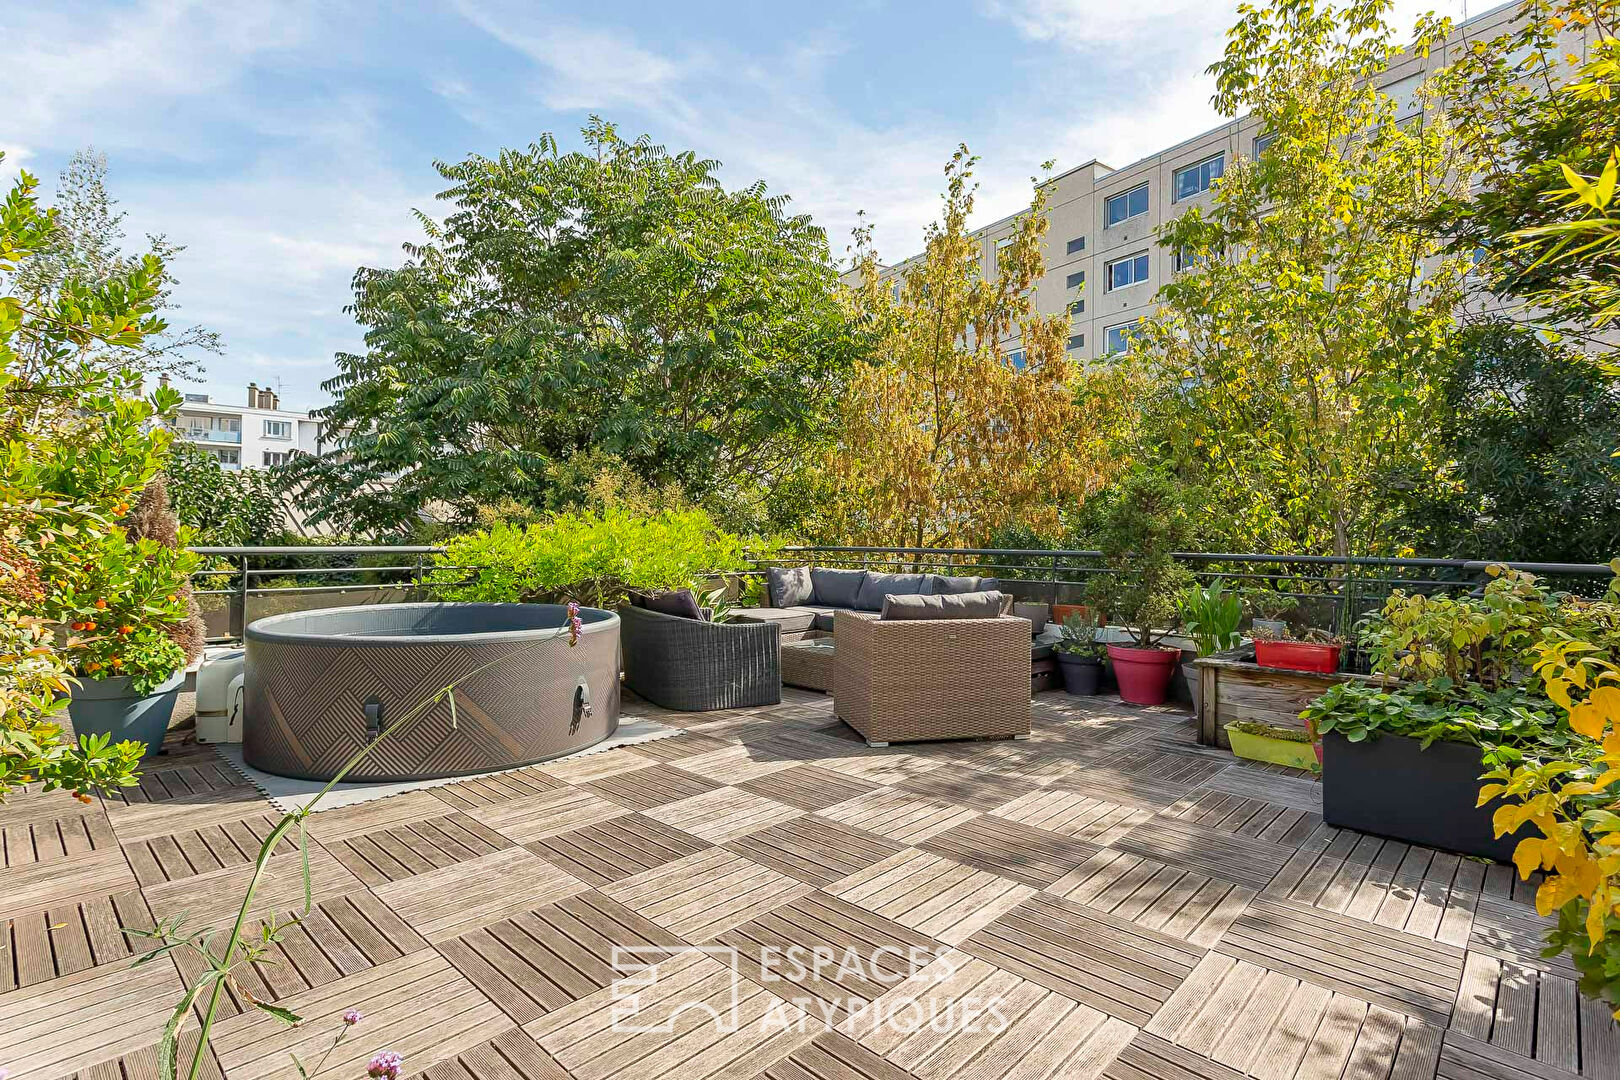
[(253, 436)]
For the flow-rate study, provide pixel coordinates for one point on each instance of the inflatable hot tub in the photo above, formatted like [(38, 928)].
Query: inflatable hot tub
[(321, 684)]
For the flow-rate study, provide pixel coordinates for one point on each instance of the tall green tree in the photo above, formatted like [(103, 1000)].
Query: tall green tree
[(1296, 362), (616, 300)]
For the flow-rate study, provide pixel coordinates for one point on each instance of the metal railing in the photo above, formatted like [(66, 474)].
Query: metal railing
[(239, 584), (1330, 591)]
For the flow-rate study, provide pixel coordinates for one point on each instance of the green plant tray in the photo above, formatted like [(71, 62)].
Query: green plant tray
[(1295, 755)]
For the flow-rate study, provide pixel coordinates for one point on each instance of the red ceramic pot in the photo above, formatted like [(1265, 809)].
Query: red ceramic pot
[(1143, 674), (1297, 656)]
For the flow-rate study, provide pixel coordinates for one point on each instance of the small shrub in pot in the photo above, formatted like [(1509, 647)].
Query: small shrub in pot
[(1210, 616), (1080, 655)]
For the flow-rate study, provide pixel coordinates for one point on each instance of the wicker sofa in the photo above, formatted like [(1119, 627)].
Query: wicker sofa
[(695, 666), (859, 591), (904, 681)]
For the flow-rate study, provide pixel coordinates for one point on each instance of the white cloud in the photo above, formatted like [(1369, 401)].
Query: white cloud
[(1088, 25)]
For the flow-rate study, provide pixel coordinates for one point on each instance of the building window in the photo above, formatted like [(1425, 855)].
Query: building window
[(1131, 270), (1119, 338), (1076, 306), (894, 290), (278, 429), (1197, 178), (276, 457), (1406, 93), (1077, 341), (1077, 244), (1016, 359), (1075, 280), (1127, 204), (1263, 141), (224, 456), (1191, 260)]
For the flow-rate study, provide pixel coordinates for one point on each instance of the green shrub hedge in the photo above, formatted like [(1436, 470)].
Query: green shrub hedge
[(589, 557)]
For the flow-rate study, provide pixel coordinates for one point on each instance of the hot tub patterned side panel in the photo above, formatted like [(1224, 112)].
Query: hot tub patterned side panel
[(306, 704)]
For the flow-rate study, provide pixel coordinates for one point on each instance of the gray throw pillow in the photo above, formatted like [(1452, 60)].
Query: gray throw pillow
[(678, 602), (974, 605), (940, 585), (789, 586), (877, 586), (836, 588)]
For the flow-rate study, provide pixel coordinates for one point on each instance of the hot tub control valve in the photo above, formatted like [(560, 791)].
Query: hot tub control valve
[(373, 717), (582, 703)]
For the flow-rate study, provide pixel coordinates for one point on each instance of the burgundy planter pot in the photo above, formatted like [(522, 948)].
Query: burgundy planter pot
[(1143, 674)]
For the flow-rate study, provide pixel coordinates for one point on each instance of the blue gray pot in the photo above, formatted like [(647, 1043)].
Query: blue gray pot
[(109, 707)]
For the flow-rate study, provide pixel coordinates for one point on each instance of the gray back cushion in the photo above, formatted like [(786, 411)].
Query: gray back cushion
[(836, 588), (973, 605), (789, 586), (878, 586), (940, 585)]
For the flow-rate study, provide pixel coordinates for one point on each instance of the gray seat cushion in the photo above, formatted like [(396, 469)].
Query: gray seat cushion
[(826, 617), (940, 585), (836, 588), (789, 586), (877, 586), (976, 605), (790, 619)]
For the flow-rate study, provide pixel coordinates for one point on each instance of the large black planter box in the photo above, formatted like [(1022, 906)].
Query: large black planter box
[(1390, 786)]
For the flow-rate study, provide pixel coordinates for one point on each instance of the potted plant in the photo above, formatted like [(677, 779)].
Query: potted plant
[(1291, 747), (1317, 650), (132, 626), (1140, 528), (1268, 606), (1080, 655), (1210, 616)]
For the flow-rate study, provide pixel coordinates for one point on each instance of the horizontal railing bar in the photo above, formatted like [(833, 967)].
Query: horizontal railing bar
[(333, 549)]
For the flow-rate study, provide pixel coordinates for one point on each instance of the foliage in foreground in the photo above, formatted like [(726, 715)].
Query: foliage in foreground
[(1296, 360), (592, 558), (615, 300), (223, 507)]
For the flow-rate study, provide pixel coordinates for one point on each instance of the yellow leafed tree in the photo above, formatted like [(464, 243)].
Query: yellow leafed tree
[(946, 436)]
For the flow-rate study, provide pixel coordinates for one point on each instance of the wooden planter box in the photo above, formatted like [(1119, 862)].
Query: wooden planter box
[(1233, 687)]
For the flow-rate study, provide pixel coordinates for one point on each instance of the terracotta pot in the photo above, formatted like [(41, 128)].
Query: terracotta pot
[(1143, 674), (1298, 656)]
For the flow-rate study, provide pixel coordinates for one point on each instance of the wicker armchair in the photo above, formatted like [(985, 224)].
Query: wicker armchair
[(698, 666), (931, 679)]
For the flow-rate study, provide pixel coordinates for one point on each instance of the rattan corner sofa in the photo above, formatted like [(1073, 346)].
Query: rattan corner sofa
[(904, 681), (696, 666)]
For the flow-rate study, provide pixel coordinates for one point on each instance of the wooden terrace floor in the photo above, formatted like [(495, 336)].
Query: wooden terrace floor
[(1139, 907)]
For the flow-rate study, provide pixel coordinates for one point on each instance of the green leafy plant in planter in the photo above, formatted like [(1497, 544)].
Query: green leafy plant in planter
[(1079, 654), (1139, 530), (1291, 747), (1267, 606), (1210, 615)]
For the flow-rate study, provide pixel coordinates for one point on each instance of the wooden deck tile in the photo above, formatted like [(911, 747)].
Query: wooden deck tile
[(71, 937), (1242, 860), (723, 814), (143, 820), (1183, 766), (861, 955), (671, 1027), (962, 1017), (931, 894), (1126, 789), (1512, 931), (736, 763), (678, 747), (1020, 852), (655, 785), (47, 839), (213, 897), (809, 787), (1398, 971), (39, 886), (543, 959), (1073, 814), (972, 788), (449, 902), (1429, 893), (500, 788), (533, 817), (1182, 903), (57, 1028), (618, 848), (1096, 959), (706, 894), (142, 1064), (898, 815), (583, 768), (330, 826), (340, 937), (831, 1056), (1246, 816), (509, 1056), (1463, 1058), (1266, 1024), (1301, 791), (418, 1006), (1533, 1014), (185, 784), (173, 856), (814, 850), (416, 847)]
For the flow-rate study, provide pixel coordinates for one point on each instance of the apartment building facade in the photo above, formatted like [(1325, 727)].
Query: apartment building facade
[(1103, 261), (258, 435)]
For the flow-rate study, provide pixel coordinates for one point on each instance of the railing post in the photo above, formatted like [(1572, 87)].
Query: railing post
[(1053, 579), (239, 616), (416, 575)]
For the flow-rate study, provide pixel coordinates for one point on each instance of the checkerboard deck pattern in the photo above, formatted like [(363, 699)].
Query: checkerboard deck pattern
[(1140, 907)]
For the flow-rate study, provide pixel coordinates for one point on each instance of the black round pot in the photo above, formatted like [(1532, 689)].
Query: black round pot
[(1081, 675)]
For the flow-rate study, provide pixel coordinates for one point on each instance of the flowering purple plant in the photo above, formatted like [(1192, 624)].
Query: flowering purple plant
[(353, 1016), (576, 625), (385, 1065)]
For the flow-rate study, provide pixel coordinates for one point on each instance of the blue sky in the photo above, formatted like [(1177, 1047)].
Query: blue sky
[(286, 143)]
